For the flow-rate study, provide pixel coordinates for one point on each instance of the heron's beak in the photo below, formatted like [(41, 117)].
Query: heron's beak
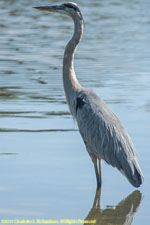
[(54, 8)]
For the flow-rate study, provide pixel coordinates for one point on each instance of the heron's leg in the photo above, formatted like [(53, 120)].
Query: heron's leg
[(97, 199), (100, 174), (94, 159), (97, 176)]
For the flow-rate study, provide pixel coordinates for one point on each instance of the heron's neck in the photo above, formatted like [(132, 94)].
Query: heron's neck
[(71, 84)]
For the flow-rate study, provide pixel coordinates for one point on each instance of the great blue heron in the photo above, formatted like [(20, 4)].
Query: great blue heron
[(102, 132)]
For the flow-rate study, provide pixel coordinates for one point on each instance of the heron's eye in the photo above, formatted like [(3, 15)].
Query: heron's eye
[(69, 5)]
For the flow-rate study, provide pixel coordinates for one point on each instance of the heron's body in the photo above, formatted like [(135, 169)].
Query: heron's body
[(102, 132)]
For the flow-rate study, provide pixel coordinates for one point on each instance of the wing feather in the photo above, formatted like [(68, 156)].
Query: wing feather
[(105, 136)]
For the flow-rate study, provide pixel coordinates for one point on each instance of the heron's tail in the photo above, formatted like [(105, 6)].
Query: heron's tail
[(133, 173)]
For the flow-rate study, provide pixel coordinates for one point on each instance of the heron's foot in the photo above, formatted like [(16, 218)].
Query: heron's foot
[(96, 203)]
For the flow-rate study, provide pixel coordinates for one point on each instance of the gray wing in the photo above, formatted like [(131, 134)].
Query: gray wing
[(105, 136)]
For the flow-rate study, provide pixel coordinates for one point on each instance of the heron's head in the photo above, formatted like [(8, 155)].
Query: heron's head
[(70, 8)]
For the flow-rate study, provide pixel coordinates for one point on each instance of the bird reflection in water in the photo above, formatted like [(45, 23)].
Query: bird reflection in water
[(122, 214)]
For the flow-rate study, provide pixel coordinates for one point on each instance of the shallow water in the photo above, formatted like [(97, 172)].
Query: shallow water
[(46, 172)]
